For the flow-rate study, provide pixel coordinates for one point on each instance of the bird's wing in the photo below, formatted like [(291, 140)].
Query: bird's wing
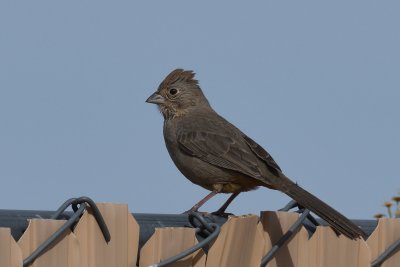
[(223, 150), (263, 154)]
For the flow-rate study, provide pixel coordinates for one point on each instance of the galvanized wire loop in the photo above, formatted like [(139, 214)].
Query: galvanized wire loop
[(56, 215), (55, 237), (198, 221), (201, 225), (386, 254), (74, 202), (79, 205), (97, 215)]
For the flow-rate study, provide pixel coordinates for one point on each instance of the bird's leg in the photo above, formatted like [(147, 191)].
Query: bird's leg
[(221, 211), (196, 207)]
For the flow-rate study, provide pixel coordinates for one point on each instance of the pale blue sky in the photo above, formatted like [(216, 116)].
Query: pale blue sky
[(315, 83)]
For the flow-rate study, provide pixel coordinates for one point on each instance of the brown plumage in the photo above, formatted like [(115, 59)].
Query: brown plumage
[(213, 153), (179, 75)]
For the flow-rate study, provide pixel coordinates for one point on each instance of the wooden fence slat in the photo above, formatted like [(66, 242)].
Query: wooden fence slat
[(133, 241), (10, 253), (324, 248), (328, 250), (275, 225), (239, 244), (121, 251), (243, 241), (167, 242), (64, 254), (385, 234)]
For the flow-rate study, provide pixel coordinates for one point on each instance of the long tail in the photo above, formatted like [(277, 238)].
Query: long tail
[(339, 222)]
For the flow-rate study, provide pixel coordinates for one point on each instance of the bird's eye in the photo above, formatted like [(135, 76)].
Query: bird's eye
[(173, 91)]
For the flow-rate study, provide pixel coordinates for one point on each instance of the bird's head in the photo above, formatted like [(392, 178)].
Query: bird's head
[(178, 94)]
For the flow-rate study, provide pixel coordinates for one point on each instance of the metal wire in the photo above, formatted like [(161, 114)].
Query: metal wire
[(55, 237), (212, 229), (289, 206), (285, 238), (199, 222), (79, 206), (96, 213), (311, 224), (386, 254)]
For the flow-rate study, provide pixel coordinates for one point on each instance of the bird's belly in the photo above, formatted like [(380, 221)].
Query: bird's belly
[(211, 177)]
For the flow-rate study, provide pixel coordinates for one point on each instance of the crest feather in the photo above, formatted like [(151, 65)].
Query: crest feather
[(179, 75)]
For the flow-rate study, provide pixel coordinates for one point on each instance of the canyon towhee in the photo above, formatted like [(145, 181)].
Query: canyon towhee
[(213, 153)]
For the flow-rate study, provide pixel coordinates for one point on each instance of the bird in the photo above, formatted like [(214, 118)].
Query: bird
[(216, 155)]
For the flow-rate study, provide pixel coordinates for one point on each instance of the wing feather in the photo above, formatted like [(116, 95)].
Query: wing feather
[(220, 150), (263, 154)]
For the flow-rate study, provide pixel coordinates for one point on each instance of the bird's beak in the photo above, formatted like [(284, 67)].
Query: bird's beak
[(156, 99)]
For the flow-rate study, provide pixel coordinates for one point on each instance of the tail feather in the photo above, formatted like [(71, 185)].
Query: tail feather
[(339, 222)]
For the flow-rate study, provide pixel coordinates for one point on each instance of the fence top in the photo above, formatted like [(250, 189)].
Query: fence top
[(17, 221)]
